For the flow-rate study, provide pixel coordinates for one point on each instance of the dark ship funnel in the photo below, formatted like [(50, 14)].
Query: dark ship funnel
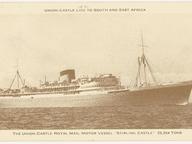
[(68, 75)]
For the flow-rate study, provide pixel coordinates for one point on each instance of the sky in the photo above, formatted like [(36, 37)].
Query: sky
[(91, 43)]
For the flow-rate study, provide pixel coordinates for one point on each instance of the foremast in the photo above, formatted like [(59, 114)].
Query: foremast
[(19, 80)]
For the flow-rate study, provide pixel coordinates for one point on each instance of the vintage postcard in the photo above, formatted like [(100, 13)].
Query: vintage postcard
[(96, 71)]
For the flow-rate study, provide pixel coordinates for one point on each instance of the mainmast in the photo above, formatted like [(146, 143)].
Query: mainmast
[(143, 59), (143, 66)]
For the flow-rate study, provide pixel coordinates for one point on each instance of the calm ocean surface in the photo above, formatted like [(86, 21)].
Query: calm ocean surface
[(129, 117)]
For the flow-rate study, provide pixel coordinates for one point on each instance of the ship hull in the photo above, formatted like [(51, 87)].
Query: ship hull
[(170, 94)]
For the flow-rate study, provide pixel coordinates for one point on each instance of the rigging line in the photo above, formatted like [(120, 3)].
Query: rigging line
[(138, 77), (140, 71), (17, 80), (136, 80), (13, 81), (20, 78), (151, 72), (144, 68)]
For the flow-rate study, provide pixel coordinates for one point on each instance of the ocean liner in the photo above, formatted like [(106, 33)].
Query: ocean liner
[(102, 90)]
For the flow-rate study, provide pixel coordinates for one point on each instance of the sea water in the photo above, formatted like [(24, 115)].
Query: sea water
[(129, 117)]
